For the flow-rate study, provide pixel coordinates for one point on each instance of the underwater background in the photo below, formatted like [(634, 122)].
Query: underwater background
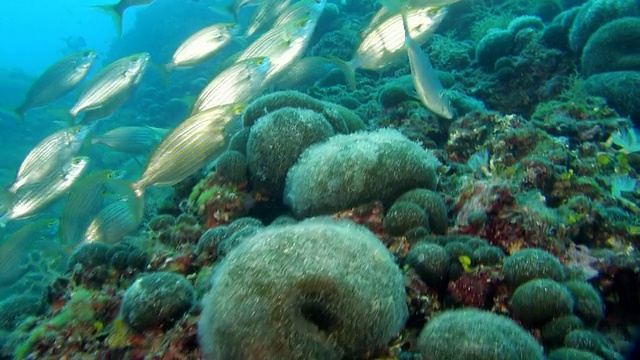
[(472, 195)]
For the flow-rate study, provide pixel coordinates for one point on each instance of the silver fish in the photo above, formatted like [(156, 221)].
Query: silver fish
[(131, 139), (425, 79), (384, 42), (283, 45), (86, 199), (31, 199), (49, 155), (115, 221), (187, 148), (112, 86), (240, 82), (60, 78), (202, 45), (301, 10), (265, 14)]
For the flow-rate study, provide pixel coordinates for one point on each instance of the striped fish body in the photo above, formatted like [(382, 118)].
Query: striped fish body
[(130, 139), (204, 44), (265, 14), (58, 80), (38, 196), (283, 45), (86, 199), (238, 83), (187, 148), (115, 221), (301, 10), (384, 42), (49, 155), (112, 85)]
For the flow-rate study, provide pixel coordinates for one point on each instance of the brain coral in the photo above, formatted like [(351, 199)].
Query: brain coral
[(475, 334), (349, 170), (596, 13), (318, 289), (614, 47)]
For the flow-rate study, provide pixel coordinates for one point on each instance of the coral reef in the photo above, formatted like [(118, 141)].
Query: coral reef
[(470, 333), (613, 47), (157, 299), (276, 141), (538, 301), (267, 301), (349, 170)]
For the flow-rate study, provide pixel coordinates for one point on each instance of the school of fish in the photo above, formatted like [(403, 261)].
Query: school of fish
[(103, 205)]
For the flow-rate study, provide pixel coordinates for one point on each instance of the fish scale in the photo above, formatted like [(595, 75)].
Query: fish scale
[(300, 10)]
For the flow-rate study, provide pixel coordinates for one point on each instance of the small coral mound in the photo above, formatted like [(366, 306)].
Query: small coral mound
[(433, 204), (588, 303), (404, 216), (475, 334), (277, 140), (156, 299), (341, 119), (430, 261), (614, 47), (540, 300), (318, 289), (596, 13), (529, 264), (620, 88), (350, 170)]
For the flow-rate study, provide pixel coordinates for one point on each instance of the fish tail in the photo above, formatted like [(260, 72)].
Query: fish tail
[(115, 11), (348, 69), (17, 114)]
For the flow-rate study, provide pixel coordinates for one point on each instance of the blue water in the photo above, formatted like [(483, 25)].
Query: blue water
[(35, 31)]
